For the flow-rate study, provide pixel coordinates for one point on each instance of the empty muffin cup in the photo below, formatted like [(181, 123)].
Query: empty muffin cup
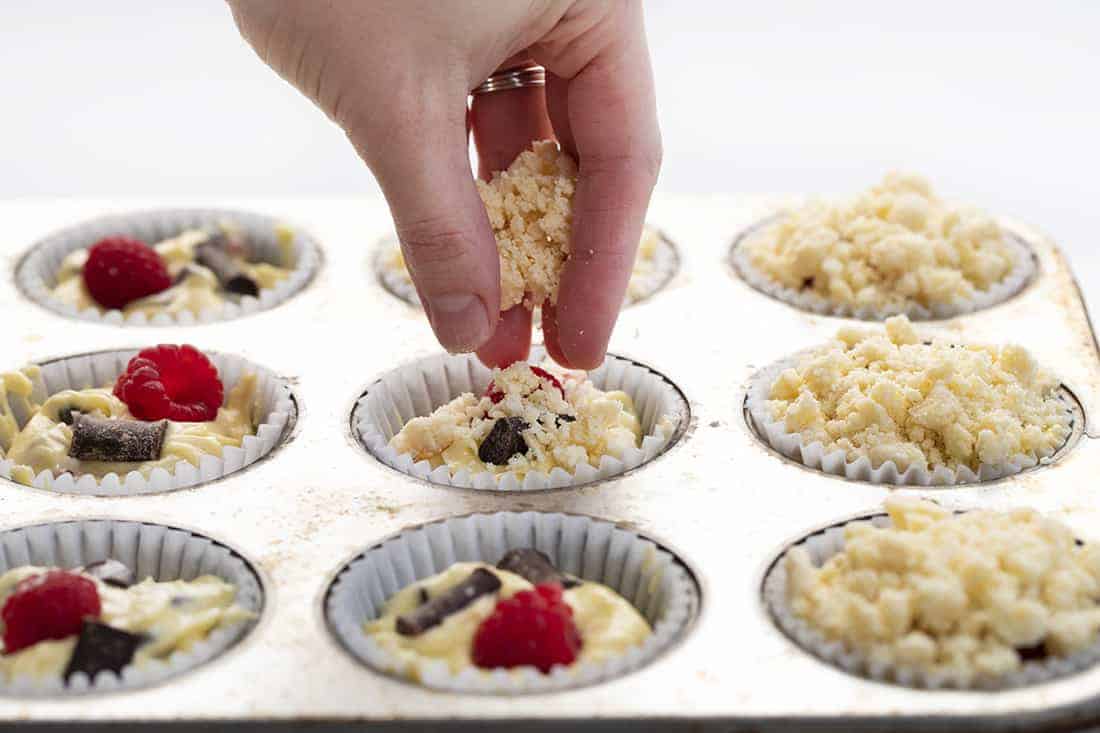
[(1023, 271), (828, 542), (657, 262), (817, 456), (419, 388), (649, 577), (266, 239), (148, 550), (273, 415)]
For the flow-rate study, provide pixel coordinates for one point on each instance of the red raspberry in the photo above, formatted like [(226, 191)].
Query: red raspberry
[(51, 605), (533, 627), (174, 382), (496, 396), (120, 270)]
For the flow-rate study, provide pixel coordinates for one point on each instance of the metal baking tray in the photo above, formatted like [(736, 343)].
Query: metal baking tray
[(721, 500)]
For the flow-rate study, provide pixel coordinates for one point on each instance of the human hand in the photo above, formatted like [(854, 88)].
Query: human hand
[(396, 74)]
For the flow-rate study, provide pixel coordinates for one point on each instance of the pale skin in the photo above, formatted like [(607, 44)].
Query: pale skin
[(396, 74)]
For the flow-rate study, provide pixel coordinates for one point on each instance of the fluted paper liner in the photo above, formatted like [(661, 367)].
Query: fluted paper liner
[(836, 462), (663, 267), (647, 576), (1018, 277), (37, 272), (419, 388), (275, 406), (825, 544), (150, 550)]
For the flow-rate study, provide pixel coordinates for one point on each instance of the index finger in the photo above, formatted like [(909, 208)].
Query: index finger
[(612, 122)]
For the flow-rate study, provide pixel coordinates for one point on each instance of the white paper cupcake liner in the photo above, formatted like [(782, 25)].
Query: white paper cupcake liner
[(100, 369), (395, 278), (419, 388), (823, 545), (1020, 275), (649, 577), (36, 274), (665, 265), (815, 455), (150, 550)]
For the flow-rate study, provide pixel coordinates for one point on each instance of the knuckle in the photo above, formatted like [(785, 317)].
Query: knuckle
[(641, 165), (432, 244)]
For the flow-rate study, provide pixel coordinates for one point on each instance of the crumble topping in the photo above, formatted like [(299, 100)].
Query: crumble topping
[(559, 430), (966, 595), (892, 247), (889, 396), (530, 209)]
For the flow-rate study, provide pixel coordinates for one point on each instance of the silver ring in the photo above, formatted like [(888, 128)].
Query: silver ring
[(530, 75)]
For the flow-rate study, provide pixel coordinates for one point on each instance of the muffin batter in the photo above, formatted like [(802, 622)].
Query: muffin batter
[(195, 288), (43, 441), (173, 615), (967, 595), (890, 248), (608, 624), (892, 397), (548, 427)]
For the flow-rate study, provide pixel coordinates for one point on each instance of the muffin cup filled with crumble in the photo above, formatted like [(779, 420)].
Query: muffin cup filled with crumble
[(630, 600), (885, 406), (896, 249), (926, 598), (182, 267), (451, 421), (169, 600), (42, 406)]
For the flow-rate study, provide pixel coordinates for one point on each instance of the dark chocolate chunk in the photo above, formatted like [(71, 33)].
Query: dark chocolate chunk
[(102, 647), (807, 283), (185, 272), (125, 441), (111, 572), (214, 255), (559, 419), (503, 441), (1032, 653), (481, 582), (534, 567), (423, 596), (65, 414)]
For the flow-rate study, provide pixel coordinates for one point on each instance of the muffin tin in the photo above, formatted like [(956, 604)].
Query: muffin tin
[(718, 500)]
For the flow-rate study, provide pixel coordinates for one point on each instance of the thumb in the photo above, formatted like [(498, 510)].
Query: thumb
[(422, 164)]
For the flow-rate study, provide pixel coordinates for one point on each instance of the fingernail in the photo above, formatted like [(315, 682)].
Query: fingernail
[(460, 321)]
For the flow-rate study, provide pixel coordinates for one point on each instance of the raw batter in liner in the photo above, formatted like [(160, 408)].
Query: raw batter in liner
[(175, 615), (608, 624), (43, 442), (196, 287)]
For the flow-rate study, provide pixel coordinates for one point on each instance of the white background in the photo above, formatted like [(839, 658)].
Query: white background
[(997, 102)]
